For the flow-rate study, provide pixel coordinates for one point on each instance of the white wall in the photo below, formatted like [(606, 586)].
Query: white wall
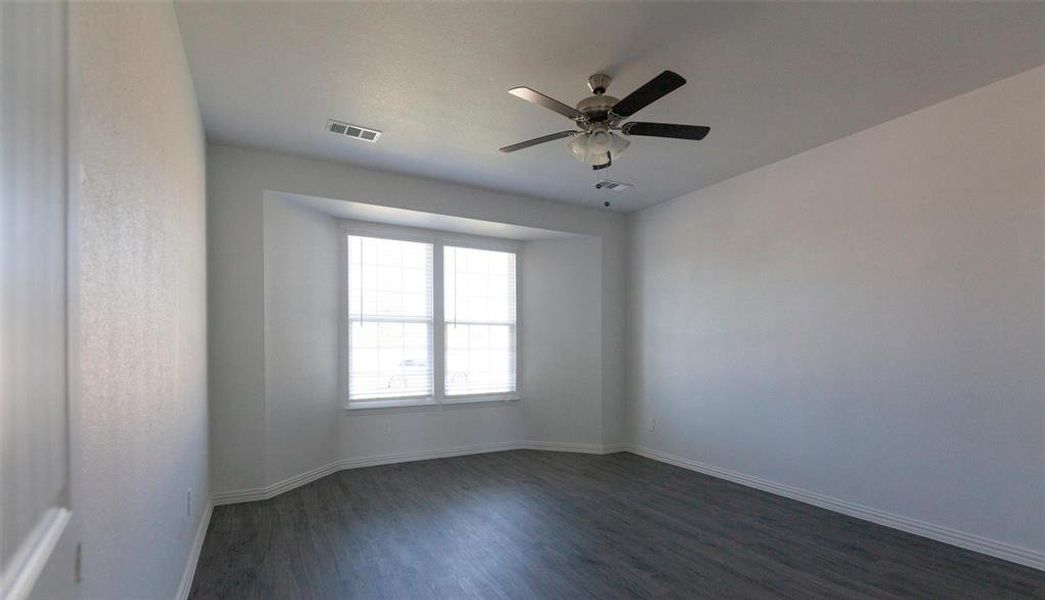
[(561, 341), (301, 263), (142, 301), (864, 320), (254, 257)]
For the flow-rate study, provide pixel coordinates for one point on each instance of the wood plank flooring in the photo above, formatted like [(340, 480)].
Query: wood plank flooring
[(528, 524)]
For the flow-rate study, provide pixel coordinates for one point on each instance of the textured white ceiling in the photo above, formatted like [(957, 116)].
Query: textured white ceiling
[(770, 79)]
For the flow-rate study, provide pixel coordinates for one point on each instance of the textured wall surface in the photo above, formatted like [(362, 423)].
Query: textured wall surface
[(143, 304), (864, 320)]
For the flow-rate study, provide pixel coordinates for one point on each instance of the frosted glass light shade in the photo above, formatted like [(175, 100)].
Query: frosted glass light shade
[(592, 147)]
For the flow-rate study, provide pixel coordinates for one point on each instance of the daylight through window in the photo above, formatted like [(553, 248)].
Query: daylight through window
[(390, 318), (479, 320), (396, 355)]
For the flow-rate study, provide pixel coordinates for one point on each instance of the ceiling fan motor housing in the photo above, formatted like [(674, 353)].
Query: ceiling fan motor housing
[(596, 108)]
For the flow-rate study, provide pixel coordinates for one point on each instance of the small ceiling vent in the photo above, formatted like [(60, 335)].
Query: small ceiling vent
[(353, 131), (608, 185)]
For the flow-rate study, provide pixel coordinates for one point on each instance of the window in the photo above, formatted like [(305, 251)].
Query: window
[(390, 319), (479, 309), (399, 290)]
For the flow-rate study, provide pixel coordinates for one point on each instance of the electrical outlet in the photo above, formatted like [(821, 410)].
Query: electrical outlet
[(188, 503), (653, 424), (387, 428)]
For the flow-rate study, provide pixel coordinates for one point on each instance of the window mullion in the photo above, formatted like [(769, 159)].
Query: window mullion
[(438, 325)]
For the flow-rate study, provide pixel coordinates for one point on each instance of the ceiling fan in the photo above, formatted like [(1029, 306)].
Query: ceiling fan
[(599, 117)]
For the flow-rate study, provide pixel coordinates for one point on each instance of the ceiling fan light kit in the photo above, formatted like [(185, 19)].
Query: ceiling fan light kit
[(598, 140), (594, 148)]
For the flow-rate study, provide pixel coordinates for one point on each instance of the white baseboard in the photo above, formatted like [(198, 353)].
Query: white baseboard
[(255, 494), (570, 447), (614, 448), (194, 554), (271, 491), (1002, 550), (401, 457)]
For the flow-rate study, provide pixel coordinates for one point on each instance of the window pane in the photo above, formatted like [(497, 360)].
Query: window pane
[(480, 359), (480, 321), (389, 278), (390, 318), (480, 285), (389, 360)]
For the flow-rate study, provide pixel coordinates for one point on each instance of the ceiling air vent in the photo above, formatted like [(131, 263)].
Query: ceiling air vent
[(608, 185), (353, 131)]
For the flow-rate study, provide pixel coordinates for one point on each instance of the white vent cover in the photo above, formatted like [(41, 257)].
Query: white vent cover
[(353, 131), (608, 185)]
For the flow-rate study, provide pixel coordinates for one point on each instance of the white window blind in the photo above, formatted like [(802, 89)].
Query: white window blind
[(390, 319), (479, 315)]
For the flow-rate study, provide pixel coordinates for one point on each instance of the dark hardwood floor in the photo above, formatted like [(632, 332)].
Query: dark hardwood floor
[(527, 524)]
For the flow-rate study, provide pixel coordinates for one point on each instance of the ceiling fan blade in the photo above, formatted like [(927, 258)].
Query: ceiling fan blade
[(544, 138), (547, 102), (668, 130), (653, 90)]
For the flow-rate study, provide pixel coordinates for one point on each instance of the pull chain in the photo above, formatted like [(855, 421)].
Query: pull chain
[(456, 275), (361, 279)]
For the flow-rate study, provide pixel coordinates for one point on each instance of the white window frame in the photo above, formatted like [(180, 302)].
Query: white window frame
[(438, 239)]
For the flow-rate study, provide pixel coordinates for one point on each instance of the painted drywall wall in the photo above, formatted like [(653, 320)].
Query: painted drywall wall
[(241, 421), (142, 301), (561, 341), (864, 320), (301, 263), (431, 429)]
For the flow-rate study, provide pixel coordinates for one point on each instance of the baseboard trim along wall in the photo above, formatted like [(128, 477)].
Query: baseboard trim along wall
[(271, 491), (1002, 550), (194, 554)]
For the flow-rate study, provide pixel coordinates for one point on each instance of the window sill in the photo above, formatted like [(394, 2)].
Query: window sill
[(392, 404), (477, 398)]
